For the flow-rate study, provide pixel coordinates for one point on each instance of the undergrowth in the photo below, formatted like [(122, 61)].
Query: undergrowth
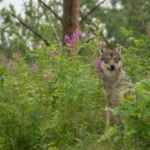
[(55, 101)]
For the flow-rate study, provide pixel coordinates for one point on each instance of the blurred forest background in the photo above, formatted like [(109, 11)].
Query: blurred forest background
[(22, 33)]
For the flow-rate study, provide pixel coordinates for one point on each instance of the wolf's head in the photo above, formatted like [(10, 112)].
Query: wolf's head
[(110, 59)]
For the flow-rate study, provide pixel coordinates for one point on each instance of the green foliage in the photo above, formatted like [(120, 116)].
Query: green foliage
[(15, 36), (136, 107), (136, 111), (20, 38), (55, 102), (126, 33), (65, 110)]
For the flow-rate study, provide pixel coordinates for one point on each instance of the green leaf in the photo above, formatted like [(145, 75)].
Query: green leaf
[(97, 22)]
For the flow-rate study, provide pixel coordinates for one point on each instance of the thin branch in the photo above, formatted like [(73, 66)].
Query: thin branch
[(80, 50), (51, 10), (40, 36), (86, 36), (107, 43), (136, 11), (135, 6), (135, 28), (84, 41), (51, 26), (91, 11)]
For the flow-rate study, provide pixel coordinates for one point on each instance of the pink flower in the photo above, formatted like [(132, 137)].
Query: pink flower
[(48, 75), (74, 39), (69, 44), (93, 39), (12, 70), (148, 32), (98, 65), (67, 37), (54, 54), (35, 69), (18, 54), (36, 46), (8, 64), (144, 26), (130, 86), (98, 77)]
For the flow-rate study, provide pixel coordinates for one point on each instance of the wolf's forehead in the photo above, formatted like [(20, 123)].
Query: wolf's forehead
[(111, 54), (116, 54)]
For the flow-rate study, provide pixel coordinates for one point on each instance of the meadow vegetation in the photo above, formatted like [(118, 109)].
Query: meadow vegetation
[(55, 101)]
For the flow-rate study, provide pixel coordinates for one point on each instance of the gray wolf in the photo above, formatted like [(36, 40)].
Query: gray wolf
[(112, 75)]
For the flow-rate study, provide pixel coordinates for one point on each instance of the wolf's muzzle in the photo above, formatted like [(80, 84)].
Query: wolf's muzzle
[(112, 67)]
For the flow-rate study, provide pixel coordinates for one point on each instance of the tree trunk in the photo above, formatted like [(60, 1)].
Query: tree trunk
[(70, 20)]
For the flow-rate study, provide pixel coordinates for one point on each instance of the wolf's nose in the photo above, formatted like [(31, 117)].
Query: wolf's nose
[(112, 66)]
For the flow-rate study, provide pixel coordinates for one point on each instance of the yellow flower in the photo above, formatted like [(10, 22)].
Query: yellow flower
[(8, 76), (57, 101), (26, 73), (59, 93), (56, 90)]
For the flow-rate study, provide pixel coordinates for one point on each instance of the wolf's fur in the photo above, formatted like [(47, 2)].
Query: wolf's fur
[(112, 75)]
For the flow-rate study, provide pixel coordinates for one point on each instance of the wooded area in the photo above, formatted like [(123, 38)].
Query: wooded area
[(50, 78)]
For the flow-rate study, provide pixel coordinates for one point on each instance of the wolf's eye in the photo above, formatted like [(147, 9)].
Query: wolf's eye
[(106, 60), (116, 60)]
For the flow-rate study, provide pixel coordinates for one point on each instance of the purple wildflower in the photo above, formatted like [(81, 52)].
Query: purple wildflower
[(74, 39), (12, 70), (48, 75), (69, 44), (67, 37), (73, 36), (98, 77), (130, 86), (18, 54), (98, 65), (42, 46), (8, 64), (144, 26), (93, 39), (54, 54), (148, 32), (36, 46), (35, 69)]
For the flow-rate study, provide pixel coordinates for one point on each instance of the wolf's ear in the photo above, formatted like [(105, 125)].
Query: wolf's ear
[(118, 49), (102, 50)]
